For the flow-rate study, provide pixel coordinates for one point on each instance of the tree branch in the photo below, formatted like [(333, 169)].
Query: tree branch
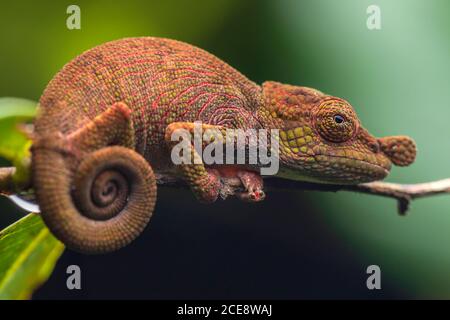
[(403, 193)]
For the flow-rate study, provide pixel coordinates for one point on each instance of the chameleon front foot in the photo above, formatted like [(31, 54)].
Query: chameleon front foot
[(253, 184), (204, 182), (250, 182), (207, 186), (207, 183), (215, 183)]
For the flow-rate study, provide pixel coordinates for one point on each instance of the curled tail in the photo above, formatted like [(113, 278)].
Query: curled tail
[(95, 198)]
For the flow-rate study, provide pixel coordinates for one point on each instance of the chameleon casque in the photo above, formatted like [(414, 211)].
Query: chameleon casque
[(105, 120)]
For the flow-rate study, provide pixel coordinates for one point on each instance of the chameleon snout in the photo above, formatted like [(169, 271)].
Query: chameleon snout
[(401, 150)]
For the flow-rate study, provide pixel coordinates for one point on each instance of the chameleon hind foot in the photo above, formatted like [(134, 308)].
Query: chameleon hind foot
[(95, 197), (112, 127)]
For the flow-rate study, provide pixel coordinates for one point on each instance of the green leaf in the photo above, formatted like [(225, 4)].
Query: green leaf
[(28, 254), (14, 144), (17, 107)]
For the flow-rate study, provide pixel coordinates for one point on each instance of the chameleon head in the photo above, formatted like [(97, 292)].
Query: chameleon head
[(322, 140)]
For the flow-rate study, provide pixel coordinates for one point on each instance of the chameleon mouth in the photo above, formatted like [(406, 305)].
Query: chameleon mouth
[(348, 170)]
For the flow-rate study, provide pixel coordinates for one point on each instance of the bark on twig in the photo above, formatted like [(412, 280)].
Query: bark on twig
[(403, 193)]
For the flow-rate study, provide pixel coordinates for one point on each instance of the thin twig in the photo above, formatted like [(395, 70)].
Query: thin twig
[(403, 193)]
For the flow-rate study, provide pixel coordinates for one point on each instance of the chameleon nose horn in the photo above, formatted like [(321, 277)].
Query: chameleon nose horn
[(401, 150)]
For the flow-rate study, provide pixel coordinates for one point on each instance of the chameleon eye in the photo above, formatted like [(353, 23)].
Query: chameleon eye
[(335, 120), (338, 119)]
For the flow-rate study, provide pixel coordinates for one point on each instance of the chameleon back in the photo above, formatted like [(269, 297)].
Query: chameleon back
[(160, 80)]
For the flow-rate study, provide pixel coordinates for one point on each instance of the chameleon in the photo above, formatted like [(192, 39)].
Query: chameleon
[(104, 123)]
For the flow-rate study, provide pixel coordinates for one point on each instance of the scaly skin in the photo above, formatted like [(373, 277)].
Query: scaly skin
[(123, 100)]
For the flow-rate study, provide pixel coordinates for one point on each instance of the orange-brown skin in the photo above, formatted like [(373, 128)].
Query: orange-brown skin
[(315, 147), (106, 119)]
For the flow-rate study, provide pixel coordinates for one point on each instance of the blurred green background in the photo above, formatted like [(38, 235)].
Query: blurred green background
[(397, 78)]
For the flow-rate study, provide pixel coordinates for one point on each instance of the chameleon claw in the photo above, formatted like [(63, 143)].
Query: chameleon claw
[(253, 185)]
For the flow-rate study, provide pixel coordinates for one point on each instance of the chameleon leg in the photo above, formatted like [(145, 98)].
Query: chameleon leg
[(112, 127), (95, 193), (206, 183)]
